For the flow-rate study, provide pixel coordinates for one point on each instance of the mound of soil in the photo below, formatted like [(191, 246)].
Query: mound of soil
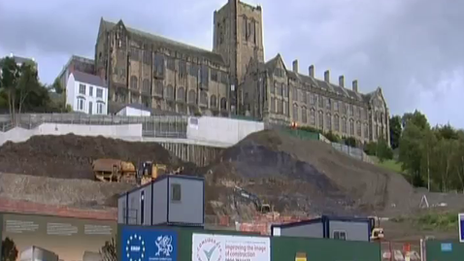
[(71, 156), (308, 176)]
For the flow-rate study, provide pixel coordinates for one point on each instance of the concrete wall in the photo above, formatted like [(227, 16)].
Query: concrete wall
[(221, 130), (18, 134)]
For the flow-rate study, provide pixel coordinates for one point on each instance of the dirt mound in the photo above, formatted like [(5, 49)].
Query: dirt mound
[(64, 192), (309, 176), (70, 156)]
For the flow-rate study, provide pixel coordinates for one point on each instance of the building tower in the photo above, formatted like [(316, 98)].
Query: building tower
[(238, 37)]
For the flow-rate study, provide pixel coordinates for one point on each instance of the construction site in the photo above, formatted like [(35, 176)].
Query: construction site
[(268, 177)]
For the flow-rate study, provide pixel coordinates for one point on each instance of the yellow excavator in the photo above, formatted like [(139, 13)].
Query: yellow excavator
[(113, 170), (149, 171), (377, 230)]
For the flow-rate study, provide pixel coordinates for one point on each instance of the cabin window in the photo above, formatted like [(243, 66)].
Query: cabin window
[(175, 192), (341, 235)]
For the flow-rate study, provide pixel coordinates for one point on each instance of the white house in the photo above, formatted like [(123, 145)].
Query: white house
[(87, 93), (134, 110)]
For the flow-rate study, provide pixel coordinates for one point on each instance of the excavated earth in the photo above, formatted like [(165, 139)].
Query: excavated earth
[(296, 177)]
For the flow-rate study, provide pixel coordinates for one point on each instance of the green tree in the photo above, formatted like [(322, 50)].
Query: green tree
[(57, 86), (9, 250), (332, 136), (395, 131), (350, 141)]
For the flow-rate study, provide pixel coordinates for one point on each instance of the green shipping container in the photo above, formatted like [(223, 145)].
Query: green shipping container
[(312, 249), (450, 250)]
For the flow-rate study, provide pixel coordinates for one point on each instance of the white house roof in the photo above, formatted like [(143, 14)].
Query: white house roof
[(89, 79)]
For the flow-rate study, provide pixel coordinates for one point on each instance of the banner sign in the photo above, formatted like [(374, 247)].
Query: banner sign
[(211, 247), (148, 244)]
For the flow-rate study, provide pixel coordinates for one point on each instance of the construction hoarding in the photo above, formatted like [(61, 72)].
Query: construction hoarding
[(438, 250), (302, 249), (51, 238), (214, 247)]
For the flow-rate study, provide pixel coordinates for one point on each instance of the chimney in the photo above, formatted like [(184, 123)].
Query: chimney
[(295, 66), (327, 76), (355, 85), (341, 81), (311, 71)]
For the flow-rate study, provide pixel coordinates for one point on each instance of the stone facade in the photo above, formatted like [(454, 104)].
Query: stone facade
[(232, 78), (277, 95)]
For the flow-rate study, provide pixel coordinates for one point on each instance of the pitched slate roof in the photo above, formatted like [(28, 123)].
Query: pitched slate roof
[(89, 79), (168, 43), (348, 93)]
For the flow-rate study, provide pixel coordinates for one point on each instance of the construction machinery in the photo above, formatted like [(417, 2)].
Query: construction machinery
[(149, 171), (113, 170), (260, 206), (377, 230)]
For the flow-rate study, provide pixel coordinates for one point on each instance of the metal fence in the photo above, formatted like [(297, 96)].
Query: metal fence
[(152, 126)]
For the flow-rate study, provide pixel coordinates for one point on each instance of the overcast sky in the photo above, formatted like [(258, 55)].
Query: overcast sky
[(413, 49)]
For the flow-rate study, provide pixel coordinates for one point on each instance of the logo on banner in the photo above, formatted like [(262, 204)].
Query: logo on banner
[(135, 248), (209, 249), (164, 245)]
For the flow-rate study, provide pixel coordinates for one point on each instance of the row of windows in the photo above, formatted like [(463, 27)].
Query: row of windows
[(81, 102), (320, 101), (161, 62), (83, 91)]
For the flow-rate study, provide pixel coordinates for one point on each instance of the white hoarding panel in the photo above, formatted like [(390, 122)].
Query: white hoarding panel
[(210, 247)]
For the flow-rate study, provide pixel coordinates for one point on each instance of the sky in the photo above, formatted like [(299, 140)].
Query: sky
[(412, 49)]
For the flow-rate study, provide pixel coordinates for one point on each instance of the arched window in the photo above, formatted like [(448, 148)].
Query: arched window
[(223, 104), (146, 87), (295, 112), (159, 88), (191, 97), (203, 98), (181, 94), (133, 82), (304, 114), (213, 101), (170, 93), (328, 121)]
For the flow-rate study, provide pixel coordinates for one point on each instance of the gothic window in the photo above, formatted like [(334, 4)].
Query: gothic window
[(181, 94), (204, 75), (337, 123), (303, 97), (182, 69), (351, 127), (133, 82), (328, 103), (278, 89), (134, 54), (350, 109), (295, 112), (280, 106), (335, 105), (170, 64), (224, 78), (274, 87), (273, 105), (285, 109), (159, 88), (321, 102), (359, 115), (170, 93), (213, 101), (295, 94), (328, 121), (358, 129), (321, 120), (159, 65), (191, 97), (343, 107), (223, 104), (366, 131), (304, 114), (204, 98), (284, 90), (214, 75), (193, 70), (146, 87), (312, 117), (147, 57)]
